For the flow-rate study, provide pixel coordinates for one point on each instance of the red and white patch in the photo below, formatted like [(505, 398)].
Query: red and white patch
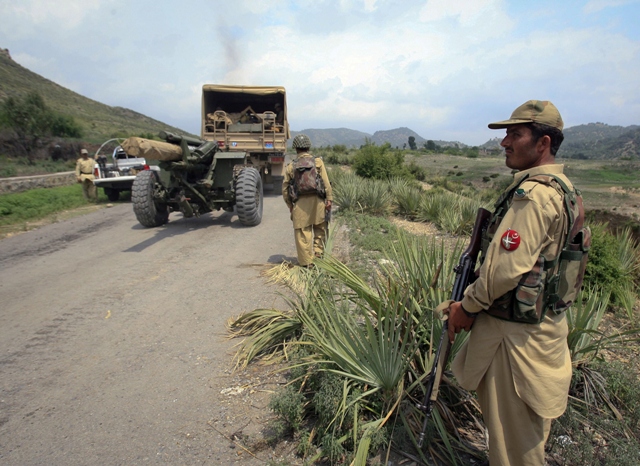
[(510, 240)]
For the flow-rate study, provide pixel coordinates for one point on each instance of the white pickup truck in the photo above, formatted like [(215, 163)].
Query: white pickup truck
[(117, 174)]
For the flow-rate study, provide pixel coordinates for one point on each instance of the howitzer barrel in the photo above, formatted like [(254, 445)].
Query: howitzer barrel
[(177, 139), (152, 150)]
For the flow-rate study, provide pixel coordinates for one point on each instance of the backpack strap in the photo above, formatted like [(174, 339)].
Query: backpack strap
[(502, 202)]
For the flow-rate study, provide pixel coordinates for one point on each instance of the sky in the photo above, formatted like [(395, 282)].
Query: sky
[(443, 68)]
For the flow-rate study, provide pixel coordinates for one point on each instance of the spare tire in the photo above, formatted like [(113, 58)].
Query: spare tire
[(249, 197)]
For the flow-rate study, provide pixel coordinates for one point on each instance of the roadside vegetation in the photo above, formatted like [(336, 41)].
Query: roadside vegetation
[(359, 333), (27, 210)]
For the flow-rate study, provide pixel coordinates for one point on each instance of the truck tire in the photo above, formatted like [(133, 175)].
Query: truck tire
[(249, 197), (148, 213), (112, 194)]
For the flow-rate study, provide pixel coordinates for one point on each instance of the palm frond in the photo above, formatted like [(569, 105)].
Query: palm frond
[(267, 332)]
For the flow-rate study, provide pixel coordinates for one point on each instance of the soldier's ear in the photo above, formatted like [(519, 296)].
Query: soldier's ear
[(544, 143)]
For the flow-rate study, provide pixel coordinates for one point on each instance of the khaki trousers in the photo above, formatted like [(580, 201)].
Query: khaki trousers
[(89, 190), (516, 433), (310, 242)]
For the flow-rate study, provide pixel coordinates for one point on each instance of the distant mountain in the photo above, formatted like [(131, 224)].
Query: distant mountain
[(493, 143), (334, 136), (396, 137)]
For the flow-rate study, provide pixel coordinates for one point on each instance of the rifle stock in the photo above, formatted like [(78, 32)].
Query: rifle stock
[(464, 277)]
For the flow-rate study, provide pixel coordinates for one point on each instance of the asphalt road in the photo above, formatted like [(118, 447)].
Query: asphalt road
[(112, 338)]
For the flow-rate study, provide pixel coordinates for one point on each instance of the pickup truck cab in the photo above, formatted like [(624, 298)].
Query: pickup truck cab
[(117, 173)]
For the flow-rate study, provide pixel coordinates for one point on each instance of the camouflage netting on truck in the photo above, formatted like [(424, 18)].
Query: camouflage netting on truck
[(152, 150)]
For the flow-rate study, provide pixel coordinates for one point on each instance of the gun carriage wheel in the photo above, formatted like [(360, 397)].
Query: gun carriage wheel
[(148, 212)]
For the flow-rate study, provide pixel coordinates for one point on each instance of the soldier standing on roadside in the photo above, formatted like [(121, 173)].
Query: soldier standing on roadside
[(516, 357), (84, 175), (307, 193)]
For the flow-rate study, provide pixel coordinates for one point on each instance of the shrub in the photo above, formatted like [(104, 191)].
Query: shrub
[(418, 172), (30, 119), (373, 162), (288, 406), (378, 162), (604, 267), (65, 126)]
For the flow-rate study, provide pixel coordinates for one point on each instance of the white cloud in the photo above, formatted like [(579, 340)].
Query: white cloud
[(27, 15), (466, 12), (595, 6)]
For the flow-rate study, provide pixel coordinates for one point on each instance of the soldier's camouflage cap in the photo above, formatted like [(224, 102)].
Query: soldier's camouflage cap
[(533, 111)]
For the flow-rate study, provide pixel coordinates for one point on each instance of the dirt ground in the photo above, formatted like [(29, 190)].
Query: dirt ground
[(113, 348)]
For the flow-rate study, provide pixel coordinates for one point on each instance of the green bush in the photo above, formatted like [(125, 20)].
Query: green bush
[(31, 119), (604, 267), (65, 126), (288, 406), (622, 385), (418, 172), (379, 162)]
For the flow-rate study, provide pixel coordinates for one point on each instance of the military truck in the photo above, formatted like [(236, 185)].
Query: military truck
[(241, 151), (250, 120)]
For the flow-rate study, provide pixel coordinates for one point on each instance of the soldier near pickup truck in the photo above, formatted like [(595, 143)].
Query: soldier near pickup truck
[(307, 192), (84, 175)]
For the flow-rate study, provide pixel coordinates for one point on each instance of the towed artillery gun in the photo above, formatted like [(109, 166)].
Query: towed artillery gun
[(244, 132), (195, 177)]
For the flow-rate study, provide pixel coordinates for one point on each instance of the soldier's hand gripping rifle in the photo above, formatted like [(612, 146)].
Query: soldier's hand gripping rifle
[(465, 275)]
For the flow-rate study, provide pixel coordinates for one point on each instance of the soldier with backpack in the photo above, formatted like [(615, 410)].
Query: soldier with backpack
[(307, 193), (533, 257)]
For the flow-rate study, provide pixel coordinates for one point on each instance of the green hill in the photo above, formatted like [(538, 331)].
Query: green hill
[(601, 141), (98, 121)]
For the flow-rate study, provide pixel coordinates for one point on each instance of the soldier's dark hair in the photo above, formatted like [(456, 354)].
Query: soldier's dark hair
[(538, 130)]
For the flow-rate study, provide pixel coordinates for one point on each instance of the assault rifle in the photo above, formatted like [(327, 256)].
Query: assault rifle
[(465, 275)]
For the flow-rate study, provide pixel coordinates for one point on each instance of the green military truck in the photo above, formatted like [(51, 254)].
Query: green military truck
[(239, 155)]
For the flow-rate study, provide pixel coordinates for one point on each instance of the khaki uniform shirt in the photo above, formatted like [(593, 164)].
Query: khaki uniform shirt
[(538, 353), (84, 168), (309, 209)]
